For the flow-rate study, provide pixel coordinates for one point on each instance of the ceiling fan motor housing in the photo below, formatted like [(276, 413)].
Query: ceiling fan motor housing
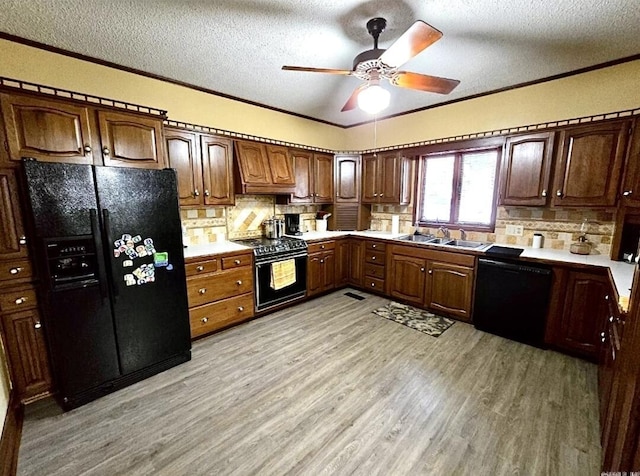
[(367, 60)]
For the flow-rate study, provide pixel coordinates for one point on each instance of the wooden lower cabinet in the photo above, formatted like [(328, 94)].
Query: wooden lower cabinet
[(450, 289), (356, 262), (342, 262), (321, 268), (374, 271), (407, 278), (27, 353), (220, 291)]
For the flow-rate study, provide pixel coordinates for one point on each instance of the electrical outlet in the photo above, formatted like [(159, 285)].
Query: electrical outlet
[(515, 230)]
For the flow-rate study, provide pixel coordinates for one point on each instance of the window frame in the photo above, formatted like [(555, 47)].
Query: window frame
[(457, 182)]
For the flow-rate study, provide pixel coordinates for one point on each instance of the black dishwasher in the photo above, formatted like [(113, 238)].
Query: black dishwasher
[(512, 300)]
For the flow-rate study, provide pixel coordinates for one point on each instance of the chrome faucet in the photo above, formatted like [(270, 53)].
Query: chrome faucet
[(463, 234), (445, 232)]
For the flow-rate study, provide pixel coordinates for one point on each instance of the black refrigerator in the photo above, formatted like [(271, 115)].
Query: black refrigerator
[(108, 249)]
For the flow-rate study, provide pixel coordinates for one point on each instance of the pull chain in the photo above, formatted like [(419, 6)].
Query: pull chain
[(375, 134)]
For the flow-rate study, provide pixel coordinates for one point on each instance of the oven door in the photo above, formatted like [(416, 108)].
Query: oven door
[(267, 297)]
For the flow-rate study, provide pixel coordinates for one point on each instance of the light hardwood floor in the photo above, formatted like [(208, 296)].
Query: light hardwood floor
[(327, 387)]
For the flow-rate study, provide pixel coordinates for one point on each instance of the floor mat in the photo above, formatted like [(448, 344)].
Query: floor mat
[(418, 319)]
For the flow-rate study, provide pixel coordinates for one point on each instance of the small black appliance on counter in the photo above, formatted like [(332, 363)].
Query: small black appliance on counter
[(292, 224)]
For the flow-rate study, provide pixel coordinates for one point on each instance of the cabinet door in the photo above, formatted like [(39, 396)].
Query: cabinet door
[(253, 162), (342, 262), (584, 314), (323, 178), (450, 289), (589, 164), (525, 169), (280, 165), (182, 155), (389, 168), (356, 263), (329, 270), (631, 187), (13, 242), (315, 276), (347, 178), (303, 170), (217, 172), (129, 140), (47, 130), (27, 353), (369, 179), (407, 278)]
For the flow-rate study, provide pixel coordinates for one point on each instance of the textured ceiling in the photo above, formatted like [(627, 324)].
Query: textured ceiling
[(236, 47)]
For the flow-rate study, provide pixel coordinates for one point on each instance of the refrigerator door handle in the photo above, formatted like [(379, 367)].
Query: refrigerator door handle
[(107, 230), (95, 231)]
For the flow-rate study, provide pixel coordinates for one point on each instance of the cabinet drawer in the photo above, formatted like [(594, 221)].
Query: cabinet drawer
[(322, 246), (375, 246), (374, 284), (201, 267), (374, 257), (18, 299), (15, 271), (210, 317), (374, 270), (206, 289), (231, 262)]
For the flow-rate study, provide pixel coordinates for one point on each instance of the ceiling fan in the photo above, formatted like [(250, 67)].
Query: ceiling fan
[(376, 64)]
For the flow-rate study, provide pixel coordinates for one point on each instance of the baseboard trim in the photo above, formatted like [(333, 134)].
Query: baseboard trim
[(11, 433)]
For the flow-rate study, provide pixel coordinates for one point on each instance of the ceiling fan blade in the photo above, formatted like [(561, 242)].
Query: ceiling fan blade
[(423, 82), (413, 41), (346, 72), (352, 102)]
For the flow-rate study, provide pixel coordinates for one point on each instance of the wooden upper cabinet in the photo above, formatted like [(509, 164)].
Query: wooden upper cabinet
[(369, 179), (387, 178), (182, 155), (46, 129), (254, 165), (450, 289), (589, 164), (129, 140), (13, 243), (303, 170), (347, 178), (526, 167), (217, 167), (323, 178), (631, 186), (280, 165)]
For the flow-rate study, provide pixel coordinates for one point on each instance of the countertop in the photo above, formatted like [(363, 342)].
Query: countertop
[(194, 251)]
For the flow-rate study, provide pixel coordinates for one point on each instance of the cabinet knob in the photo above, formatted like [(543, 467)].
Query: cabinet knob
[(422, 270), (375, 194), (202, 290), (106, 151), (603, 340), (430, 271), (20, 300), (610, 318), (196, 193), (237, 261), (22, 240), (559, 193), (381, 195), (205, 320), (626, 193), (240, 308), (15, 270), (37, 325), (87, 148), (206, 192), (373, 245), (606, 297), (199, 268), (373, 285), (602, 334), (239, 282), (322, 247), (321, 261), (373, 258), (544, 193)]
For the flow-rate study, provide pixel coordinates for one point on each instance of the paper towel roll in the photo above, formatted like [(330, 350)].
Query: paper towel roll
[(395, 224)]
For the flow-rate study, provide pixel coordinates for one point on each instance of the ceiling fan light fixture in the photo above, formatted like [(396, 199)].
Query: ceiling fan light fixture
[(374, 98)]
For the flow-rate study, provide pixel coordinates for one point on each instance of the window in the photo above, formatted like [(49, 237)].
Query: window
[(459, 189)]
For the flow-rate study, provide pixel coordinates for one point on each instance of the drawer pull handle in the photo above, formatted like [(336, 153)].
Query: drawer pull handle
[(239, 282), (381, 195), (22, 240), (200, 268), (603, 340), (15, 270), (237, 261), (321, 261), (240, 308), (205, 320), (21, 300), (37, 325), (202, 290)]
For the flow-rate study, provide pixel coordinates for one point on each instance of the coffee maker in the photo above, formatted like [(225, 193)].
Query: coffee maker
[(292, 224)]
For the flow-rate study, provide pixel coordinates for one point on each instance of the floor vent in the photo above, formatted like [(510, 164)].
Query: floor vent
[(355, 296)]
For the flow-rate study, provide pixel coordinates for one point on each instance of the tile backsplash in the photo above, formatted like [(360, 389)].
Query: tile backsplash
[(243, 220), (559, 227)]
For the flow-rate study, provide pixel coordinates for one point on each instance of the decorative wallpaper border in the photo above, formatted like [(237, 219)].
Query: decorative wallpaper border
[(64, 94)]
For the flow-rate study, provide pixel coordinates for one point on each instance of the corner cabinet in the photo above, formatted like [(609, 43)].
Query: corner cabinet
[(526, 167), (387, 178), (631, 184), (589, 164), (204, 165)]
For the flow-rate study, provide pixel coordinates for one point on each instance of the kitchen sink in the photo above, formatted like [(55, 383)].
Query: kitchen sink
[(465, 243), (432, 240), (440, 241), (418, 238)]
